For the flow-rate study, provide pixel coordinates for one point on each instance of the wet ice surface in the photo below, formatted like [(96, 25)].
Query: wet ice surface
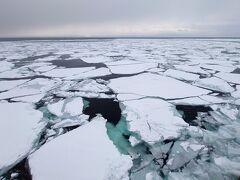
[(120, 109)]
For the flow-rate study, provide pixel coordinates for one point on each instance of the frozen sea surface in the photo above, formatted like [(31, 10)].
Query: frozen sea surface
[(139, 109)]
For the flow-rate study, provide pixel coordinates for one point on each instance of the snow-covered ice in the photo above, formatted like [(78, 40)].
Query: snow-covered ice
[(72, 155), (63, 73), (173, 109), (214, 84), (20, 129), (131, 68), (143, 118), (181, 75), (229, 77), (148, 84)]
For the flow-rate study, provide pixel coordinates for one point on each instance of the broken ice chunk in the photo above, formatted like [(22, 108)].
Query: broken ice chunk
[(215, 84), (220, 68), (228, 166), (90, 74), (73, 154), (153, 119), (69, 123), (126, 97), (90, 85), (33, 87), (236, 94), (74, 107), (229, 77), (183, 152), (6, 85), (68, 72), (30, 99), (192, 69), (20, 129), (181, 75), (96, 59), (148, 84), (131, 68), (4, 66), (56, 108)]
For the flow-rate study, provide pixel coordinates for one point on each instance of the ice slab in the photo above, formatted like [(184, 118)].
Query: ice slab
[(153, 119), (132, 68), (229, 77), (215, 84), (4, 66), (122, 62), (181, 75), (127, 97), (148, 84), (33, 87), (6, 85), (220, 68), (91, 74), (228, 166), (96, 59), (183, 152), (43, 69), (74, 107), (194, 101), (67, 72), (56, 108), (192, 69), (90, 85), (20, 128), (74, 154), (236, 94), (30, 99), (70, 122)]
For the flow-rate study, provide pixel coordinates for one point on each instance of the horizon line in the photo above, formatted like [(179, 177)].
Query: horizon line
[(114, 37)]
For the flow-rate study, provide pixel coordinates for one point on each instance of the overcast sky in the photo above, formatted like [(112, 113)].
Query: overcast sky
[(42, 18)]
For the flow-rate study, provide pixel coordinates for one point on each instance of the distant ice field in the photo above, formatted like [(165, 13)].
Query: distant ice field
[(119, 109)]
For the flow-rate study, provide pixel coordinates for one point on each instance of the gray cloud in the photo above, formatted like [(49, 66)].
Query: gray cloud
[(119, 17)]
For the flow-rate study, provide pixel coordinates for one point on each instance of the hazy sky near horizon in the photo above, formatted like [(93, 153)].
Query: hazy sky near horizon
[(42, 18)]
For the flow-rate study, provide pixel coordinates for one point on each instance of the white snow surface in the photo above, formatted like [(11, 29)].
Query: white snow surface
[(68, 72), (148, 84), (20, 128), (4, 66), (33, 87), (229, 77), (215, 84), (181, 75), (74, 107), (75, 154), (90, 74), (153, 119), (192, 69), (6, 85), (131, 68)]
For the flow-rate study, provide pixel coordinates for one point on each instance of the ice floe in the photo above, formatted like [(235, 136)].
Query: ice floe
[(132, 68), (148, 84), (20, 129), (74, 153), (91, 74), (143, 118), (229, 77), (181, 75), (68, 72), (33, 87), (4, 66), (192, 69), (6, 85), (214, 84)]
